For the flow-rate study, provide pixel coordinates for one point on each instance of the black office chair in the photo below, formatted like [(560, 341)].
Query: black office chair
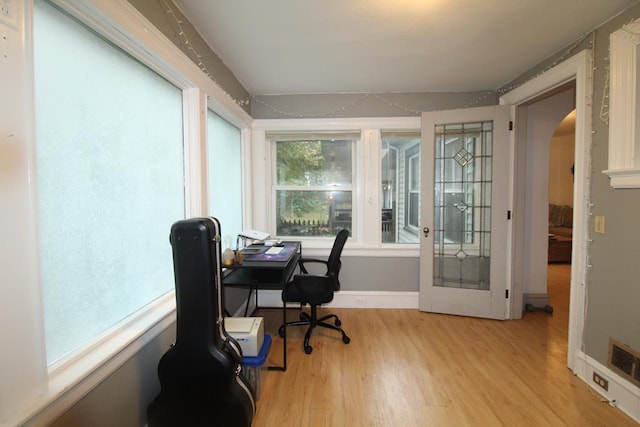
[(315, 290)]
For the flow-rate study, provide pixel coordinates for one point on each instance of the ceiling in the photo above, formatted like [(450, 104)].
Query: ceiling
[(351, 46)]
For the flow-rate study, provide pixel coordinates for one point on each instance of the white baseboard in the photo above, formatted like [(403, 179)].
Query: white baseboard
[(352, 299), (621, 393)]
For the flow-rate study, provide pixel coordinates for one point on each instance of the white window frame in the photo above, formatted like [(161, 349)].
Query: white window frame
[(49, 392), (314, 188), (367, 203), (410, 159), (624, 120)]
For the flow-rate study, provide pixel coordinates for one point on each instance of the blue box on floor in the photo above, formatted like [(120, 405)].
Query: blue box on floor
[(251, 366)]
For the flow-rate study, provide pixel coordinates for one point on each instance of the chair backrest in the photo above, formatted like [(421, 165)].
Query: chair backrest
[(333, 263)]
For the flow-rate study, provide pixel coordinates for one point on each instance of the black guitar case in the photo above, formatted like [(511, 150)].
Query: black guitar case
[(200, 374)]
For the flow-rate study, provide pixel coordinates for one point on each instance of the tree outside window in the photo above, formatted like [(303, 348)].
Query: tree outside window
[(313, 191)]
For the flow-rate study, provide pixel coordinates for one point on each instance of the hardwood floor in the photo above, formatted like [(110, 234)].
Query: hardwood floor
[(409, 368)]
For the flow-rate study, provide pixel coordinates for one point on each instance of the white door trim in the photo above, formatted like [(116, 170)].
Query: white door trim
[(578, 68)]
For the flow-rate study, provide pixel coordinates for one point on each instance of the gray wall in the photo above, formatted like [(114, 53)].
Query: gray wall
[(380, 274), (613, 284), (364, 104)]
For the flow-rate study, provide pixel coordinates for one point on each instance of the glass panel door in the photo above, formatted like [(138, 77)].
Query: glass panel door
[(463, 245)]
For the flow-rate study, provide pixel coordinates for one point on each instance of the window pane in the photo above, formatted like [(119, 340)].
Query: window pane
[(225, 176), (309, 169), (314, 163), (110, 180), (414, 211), (400, 176), (312, 213)]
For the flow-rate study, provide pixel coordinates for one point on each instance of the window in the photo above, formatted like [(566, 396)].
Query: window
[(313, 176), (110, 180), (400, 179), (225, 176), (462, 183), (413, 190)]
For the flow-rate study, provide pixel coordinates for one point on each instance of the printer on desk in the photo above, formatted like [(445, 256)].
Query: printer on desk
[(248, 332)]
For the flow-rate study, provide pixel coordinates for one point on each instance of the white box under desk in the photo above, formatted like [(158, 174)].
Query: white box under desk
[(248, 332)]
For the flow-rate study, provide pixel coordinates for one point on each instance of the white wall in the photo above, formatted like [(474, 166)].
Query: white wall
[(560, 176)]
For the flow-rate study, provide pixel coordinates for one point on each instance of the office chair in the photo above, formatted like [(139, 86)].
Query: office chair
[(315, 290)]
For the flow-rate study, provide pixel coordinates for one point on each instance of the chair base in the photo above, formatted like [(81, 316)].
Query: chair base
[(312, 321)]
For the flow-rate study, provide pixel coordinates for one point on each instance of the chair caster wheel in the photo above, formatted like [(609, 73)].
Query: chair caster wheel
[(346, 339), (308, 349), (338, 323)]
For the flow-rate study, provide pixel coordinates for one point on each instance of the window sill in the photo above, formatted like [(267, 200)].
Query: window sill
[(75, 376), (386, 251)]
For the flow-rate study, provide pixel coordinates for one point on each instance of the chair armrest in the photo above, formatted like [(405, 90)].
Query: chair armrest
[(302, 261)]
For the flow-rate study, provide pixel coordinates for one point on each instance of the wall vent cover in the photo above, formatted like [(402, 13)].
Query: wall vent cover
[(624, 360)]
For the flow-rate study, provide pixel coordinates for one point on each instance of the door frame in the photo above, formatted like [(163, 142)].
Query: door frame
[(580, 69)]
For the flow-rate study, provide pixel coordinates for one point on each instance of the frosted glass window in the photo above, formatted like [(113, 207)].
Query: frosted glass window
[(110, 180), (225, 176)]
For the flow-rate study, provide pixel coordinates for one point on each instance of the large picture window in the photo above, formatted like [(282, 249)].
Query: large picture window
[(225, 175), (314, 177), (110, 180)]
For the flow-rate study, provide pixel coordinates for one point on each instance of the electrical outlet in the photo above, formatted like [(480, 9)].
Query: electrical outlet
[(9, 13), (360, 301), (598, 379)]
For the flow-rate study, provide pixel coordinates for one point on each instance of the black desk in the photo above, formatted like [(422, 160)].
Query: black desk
[(264, 271)]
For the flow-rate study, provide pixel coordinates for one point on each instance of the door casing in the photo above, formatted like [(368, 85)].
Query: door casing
[(579, 68)]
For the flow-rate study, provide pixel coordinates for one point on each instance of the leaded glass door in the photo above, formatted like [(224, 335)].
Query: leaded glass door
[(463, 247)]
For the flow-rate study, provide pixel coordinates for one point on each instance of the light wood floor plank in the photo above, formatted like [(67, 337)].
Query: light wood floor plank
[(408, 368)]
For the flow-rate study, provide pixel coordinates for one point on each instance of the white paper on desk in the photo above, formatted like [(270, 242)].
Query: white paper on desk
[(274, 250)]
